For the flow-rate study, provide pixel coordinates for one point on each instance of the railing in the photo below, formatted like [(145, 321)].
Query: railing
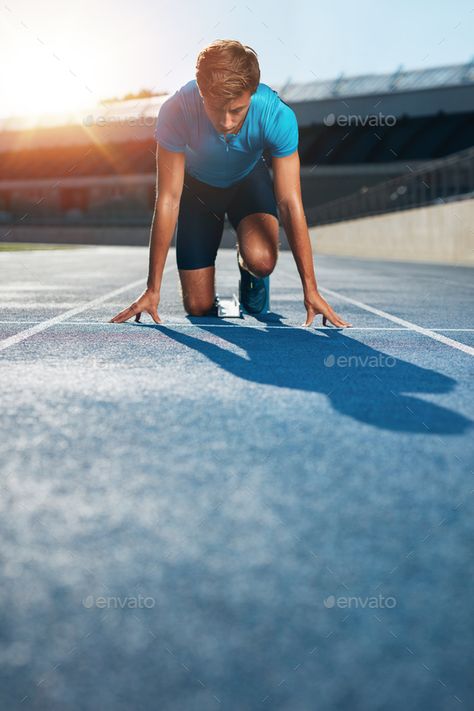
[(435, 182)]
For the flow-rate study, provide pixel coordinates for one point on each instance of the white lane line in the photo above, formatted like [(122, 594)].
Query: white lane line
[(408, 324), (239, 323), (261, 325), (43, 325)]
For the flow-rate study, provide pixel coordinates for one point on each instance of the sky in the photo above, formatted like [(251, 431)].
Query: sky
[(57, 56)]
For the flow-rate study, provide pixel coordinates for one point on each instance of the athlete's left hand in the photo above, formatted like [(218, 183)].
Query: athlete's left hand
[(315, 304)]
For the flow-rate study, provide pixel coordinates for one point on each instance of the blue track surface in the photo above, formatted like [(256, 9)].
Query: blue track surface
[(235, 514)]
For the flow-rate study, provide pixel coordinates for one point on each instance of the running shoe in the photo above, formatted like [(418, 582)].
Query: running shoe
[(254, 292)]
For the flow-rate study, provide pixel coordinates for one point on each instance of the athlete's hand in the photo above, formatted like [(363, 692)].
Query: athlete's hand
[(148, 302), (315, 304)]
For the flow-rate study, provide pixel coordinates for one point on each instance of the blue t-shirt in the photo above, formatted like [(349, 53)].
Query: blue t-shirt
[(183, 126)]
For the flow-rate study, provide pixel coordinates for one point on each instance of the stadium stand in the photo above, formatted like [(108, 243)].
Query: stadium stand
[(355, 133)]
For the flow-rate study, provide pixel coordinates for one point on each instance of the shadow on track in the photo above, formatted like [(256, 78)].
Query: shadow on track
[(361, 382)]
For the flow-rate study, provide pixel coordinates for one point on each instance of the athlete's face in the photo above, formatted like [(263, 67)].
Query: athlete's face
[(227, 117)]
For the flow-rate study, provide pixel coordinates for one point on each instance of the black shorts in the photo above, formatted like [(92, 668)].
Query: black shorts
[(202, 210)]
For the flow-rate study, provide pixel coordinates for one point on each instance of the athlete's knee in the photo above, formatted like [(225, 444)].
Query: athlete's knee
[(196, 307), (262, 262)]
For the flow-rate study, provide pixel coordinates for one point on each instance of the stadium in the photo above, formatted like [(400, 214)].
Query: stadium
[(95, 182)]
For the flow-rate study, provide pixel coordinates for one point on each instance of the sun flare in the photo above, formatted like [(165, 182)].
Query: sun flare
[(39, 82)]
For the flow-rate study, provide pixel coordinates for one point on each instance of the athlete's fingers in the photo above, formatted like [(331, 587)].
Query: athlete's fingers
[(155, 317), (310, 314), (341, 323), (336, 320), (124, 315), (137, 317)]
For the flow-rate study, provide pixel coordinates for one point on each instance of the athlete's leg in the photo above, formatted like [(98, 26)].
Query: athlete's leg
[(257, 236), (198, 290), (199, 233), (253, 214)]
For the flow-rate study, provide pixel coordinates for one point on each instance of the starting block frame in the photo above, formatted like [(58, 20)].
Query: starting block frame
[(228, 308)]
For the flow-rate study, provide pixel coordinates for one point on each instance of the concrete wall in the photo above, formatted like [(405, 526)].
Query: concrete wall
[(442, 234), (108, 235)]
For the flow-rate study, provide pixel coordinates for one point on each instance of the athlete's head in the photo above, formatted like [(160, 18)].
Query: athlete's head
[(227, 74)]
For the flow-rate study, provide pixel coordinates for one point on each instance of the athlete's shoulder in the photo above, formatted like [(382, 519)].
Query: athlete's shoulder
[(265, 94), (279, 124), (190, 88), (189, 99), (269, 101), (185, 93), (174, 118)]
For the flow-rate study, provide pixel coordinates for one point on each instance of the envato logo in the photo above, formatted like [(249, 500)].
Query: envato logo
[(110, 119), (370, 361), (117, 602), (377, 602), (358, 120)]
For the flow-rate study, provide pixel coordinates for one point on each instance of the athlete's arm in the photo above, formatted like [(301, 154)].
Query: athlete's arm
[(170, 174), (170, 178), (287, 186)]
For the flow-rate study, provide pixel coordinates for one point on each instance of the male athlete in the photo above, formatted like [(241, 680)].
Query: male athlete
[(211, 135)]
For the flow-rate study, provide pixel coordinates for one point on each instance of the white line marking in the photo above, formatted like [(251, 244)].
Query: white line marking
[(43, 325), (239, 323), (408, 324)]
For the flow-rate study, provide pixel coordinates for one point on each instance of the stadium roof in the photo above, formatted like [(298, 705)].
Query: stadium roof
[(113, 112), (147, 109), (368, 84)]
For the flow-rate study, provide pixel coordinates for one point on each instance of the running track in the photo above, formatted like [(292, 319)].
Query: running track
[(276, 517)]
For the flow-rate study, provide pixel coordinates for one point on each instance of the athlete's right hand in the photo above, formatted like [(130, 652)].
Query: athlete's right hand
[(148, 302)]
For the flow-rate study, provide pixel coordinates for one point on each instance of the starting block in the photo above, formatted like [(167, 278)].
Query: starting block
[(228, 308)]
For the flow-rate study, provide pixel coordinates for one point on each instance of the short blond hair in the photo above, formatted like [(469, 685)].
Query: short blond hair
[(227, 68)]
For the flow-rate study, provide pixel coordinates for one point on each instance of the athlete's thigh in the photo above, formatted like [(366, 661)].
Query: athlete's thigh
[(253, 209), (258, 232)]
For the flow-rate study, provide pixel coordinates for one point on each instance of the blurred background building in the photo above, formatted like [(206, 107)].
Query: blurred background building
[(368, 145)]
